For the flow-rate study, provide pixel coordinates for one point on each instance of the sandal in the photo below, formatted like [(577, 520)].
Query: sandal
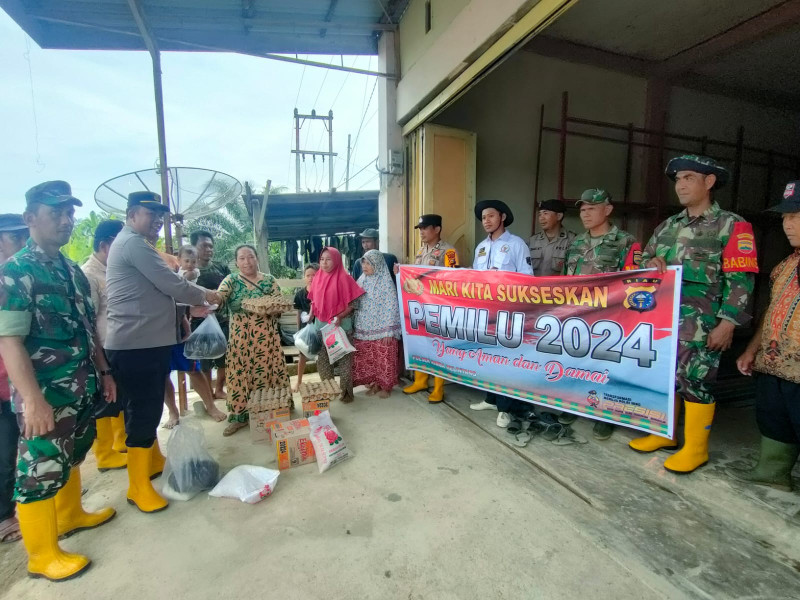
[(233, 428), (521, 439), (515, 426), (567, 437), (9, 531)]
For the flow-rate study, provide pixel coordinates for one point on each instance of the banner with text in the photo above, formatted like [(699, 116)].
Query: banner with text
[(602, 346)]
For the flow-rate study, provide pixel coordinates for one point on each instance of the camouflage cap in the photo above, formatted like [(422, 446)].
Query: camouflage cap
[(594, 196), (698, 164), (791, 199), (11, 222), (51, 193)]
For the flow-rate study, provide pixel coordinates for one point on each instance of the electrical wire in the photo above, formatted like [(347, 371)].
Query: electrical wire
[(362, 169), (363, 116), (370, 180), (40, 165)]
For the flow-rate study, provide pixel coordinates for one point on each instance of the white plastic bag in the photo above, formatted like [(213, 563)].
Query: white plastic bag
[(189, 469), (308, 341), (329, 447), (336, 342), (248, 483), (207, 341)]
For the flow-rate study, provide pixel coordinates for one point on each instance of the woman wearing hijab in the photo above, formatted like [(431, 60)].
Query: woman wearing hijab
[(333, 298), (377, 328), (254, 360)]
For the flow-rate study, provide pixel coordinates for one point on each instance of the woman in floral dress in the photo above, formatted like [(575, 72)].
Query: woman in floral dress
[(377, 328), (254, 359)]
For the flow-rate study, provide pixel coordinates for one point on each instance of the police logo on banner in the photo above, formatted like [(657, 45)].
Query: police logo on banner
[(639, 295)]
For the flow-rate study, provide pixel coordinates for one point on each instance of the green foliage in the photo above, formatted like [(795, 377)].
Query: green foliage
[(79, 247), (231, 227)]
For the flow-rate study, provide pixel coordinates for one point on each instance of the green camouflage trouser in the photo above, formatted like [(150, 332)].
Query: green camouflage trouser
[(44, 461), (697, 370)]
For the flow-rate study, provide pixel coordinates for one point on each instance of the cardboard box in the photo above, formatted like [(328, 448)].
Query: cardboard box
[(263, 422), (293, 445), (312, 407)]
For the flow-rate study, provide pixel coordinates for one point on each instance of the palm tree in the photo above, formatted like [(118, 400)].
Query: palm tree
[(80, 245)]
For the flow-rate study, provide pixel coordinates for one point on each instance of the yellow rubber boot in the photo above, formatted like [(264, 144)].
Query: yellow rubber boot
[(37, 523), (696, 429), (157, 461), (107, 458), (651, 443), (69, 511), (140, 489), (437, 395), (118, 426), (420, 383)]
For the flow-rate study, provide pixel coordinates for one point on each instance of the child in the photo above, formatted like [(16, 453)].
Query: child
[(187, 257), (303, 306)]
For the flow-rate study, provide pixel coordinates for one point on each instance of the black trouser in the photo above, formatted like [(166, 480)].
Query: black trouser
[(778, 408), (141, 376), (508, 405), (9, 436)]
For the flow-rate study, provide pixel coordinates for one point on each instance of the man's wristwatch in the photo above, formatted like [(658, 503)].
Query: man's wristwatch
[(105, 372)]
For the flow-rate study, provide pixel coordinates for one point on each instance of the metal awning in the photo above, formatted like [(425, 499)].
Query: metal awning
[(244, 26), (298, 216)]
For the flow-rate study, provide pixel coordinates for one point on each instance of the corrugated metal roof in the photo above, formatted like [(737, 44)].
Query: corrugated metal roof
[(244, 26), (298, 216)]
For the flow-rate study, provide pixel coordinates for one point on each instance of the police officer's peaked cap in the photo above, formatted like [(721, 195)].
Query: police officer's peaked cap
[(698, 164), (429, 221), (498, 205), (149, 200), (553, 206), (51, 193)]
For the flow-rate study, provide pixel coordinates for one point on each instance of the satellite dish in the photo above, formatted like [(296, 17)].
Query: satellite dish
[(192, 192)]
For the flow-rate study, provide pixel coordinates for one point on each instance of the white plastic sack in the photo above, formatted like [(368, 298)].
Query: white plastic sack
[(308, 341), (207, 341), (336, 342), (189, 469), (329, 447), (248, 483)]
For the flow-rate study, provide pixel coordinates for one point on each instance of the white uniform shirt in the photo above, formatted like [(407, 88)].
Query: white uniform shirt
[(507, 253)]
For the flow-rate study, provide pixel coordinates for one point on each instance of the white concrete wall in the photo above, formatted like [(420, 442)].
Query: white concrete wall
[(503, 110), (459, 29)]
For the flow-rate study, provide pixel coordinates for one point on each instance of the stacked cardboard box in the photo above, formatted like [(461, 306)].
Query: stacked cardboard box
[(266, 408), (317, 396), (293, 443)]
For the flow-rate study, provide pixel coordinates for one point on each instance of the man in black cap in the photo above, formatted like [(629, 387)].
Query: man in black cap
[(13, 233), (716, 249), (549, 246), (109, 446), (142, 329), (369, 241), (433, 252), (50, 348), (773, 354), (500, 251)]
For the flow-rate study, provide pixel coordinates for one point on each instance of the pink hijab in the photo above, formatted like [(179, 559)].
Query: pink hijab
[(331, 292)]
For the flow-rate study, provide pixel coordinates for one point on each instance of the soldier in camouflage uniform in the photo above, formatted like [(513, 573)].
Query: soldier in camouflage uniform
[(602, 248), (48, 345), (717, 251), (434, 252)]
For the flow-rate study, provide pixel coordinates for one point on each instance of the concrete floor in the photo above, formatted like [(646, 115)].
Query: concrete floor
[(437, 505)]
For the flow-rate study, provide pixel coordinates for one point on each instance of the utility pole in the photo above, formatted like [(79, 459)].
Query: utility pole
[(347, 168), (328, 123)]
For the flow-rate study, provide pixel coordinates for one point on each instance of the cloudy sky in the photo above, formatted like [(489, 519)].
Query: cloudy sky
[(87, 117)]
